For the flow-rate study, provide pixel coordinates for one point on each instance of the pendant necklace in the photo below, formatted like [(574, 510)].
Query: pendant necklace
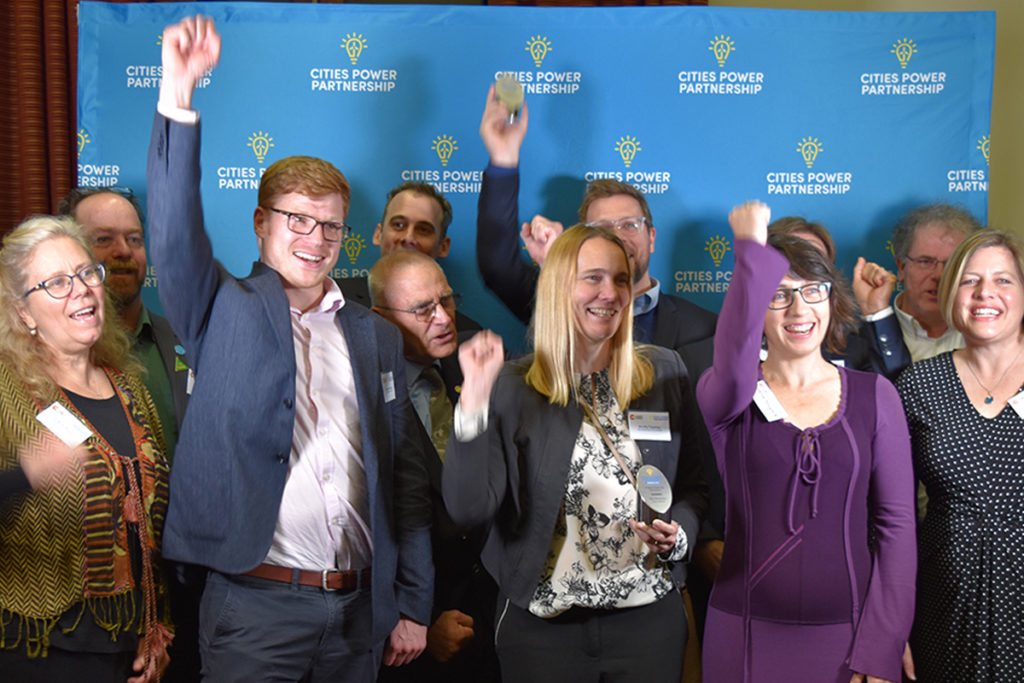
[(989, 398)]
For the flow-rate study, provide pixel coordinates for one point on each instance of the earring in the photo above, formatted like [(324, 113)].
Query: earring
[(32, 331)]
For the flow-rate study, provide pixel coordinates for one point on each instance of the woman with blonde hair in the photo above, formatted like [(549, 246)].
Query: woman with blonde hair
[(549, 451), (83, 480), (966, 415)]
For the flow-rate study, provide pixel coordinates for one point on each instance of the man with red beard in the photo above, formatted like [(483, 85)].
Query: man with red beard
[(113, 222)]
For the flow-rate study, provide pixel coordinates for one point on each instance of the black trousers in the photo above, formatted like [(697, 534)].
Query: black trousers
[(643, 644)]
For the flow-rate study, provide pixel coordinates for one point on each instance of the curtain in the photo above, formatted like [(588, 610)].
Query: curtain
[(38, 41)]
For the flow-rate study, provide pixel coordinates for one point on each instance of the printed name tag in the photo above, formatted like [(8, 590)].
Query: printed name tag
[(649, 425), (387, 383), (66, 426), (768, 403), (1017, 403)]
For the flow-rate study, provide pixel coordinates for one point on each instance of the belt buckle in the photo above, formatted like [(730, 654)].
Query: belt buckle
[(323, 578)]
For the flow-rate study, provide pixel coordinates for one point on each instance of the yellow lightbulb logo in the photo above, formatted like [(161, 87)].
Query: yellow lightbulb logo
[(904, 49), (627, 148), (538, 47), (891, 249), (83, 140), (717, 246), (354, 46), (809, 149), (261, 143), (444, 146), (983, 146), (352, 246), (722, 46)]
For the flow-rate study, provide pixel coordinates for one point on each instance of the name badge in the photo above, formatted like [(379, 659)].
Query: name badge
[(1017, 403), (387, 383), (649, 425), (66, 426), (768, 403)]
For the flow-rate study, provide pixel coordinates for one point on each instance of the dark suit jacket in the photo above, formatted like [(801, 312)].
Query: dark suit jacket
[(358, 289), (513, 475), (232, 457), (166, 341), (460, 580)]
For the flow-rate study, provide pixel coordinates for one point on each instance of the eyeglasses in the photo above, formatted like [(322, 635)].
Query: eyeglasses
[(814, 293), (926, 262), (628, 226), (301, 224), (59, 286), (425, 313)]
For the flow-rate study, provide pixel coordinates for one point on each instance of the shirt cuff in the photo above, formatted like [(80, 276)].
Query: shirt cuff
[(880, 315), (188, 117), (469, 426), (678, 551), (493, 170)]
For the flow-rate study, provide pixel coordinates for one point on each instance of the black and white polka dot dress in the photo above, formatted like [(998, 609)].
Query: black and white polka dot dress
[(969, 620)]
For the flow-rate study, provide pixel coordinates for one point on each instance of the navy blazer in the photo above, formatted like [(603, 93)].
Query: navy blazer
[(232, 457), (515, 472)]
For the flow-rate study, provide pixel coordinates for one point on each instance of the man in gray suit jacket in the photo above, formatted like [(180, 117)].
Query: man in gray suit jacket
[(299, 478)]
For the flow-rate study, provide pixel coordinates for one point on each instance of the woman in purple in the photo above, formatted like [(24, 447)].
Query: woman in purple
[(817, 577)]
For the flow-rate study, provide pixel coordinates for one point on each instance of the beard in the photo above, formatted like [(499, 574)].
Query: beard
[(124, 290)]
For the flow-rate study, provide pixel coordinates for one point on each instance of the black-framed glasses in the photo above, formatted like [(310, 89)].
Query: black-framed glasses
[(301, 224), (814, 293), (60, 286), (425, 313), (629, 225), (927, 263)]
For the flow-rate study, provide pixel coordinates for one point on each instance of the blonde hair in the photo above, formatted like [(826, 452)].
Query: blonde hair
[(953, 273), (550, 374), (28, 358)]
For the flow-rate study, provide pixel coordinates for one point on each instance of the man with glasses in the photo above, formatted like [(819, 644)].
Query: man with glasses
[(300, 479), (409, 289), (922, 242), (658, 317), (416, 218)]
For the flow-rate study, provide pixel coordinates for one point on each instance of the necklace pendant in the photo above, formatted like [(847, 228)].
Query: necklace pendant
[(989, 399)]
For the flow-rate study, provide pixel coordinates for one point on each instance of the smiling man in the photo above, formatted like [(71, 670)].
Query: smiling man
[(416, 218), (299, 480)]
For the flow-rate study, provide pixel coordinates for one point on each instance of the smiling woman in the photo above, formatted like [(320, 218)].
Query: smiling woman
[(813, 456), (96, 471), (552, 454), (967, 436)]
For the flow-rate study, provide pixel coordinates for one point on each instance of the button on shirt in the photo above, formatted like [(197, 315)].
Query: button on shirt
[(323, 520)]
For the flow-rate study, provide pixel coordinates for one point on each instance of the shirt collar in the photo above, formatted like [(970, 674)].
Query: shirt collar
[(331, 301), (645, 303)]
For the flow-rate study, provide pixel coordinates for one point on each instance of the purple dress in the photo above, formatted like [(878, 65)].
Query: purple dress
[(803, 594)]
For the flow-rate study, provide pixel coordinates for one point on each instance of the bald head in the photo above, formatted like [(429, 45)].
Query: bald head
[(410, 289)]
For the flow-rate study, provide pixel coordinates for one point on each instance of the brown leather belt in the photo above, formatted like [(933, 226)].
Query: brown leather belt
[(328, 579)]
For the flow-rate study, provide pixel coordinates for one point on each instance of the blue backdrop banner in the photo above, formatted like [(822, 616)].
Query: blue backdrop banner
[(846, 118)]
